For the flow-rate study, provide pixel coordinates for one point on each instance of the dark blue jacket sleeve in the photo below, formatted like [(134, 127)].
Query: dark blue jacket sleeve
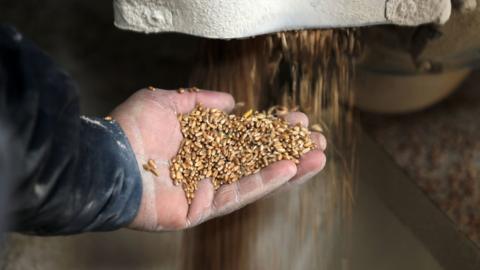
[(71, 174)]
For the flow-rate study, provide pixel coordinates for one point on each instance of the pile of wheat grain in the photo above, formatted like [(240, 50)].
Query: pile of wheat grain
[(225, 148)]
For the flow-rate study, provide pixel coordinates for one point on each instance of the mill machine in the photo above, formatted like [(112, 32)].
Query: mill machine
[(424, 49), (415, 53)]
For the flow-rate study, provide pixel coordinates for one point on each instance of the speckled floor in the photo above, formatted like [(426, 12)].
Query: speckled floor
[(439, 148)]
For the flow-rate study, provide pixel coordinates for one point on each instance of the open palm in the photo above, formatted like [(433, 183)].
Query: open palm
[(149, 119)]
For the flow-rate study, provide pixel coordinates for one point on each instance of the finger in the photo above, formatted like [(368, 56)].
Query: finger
[(310, 164), (186, 101), (251, 188), (201, 204), (297, 117), (319, 140)]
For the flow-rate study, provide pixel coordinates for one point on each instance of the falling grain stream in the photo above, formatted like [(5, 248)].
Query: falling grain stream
[(311, 71)]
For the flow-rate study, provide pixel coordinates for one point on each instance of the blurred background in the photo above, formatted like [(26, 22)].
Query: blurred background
[(417, 203)]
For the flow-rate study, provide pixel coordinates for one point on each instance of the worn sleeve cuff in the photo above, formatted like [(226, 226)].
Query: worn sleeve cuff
[(108, 160)]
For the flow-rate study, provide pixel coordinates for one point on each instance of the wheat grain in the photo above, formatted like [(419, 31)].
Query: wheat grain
[(226, 147)]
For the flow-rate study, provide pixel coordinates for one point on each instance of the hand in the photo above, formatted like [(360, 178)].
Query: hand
[(149, 120)]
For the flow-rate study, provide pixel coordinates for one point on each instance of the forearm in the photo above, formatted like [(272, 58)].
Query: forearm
[(75, 174), (99, 189)]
